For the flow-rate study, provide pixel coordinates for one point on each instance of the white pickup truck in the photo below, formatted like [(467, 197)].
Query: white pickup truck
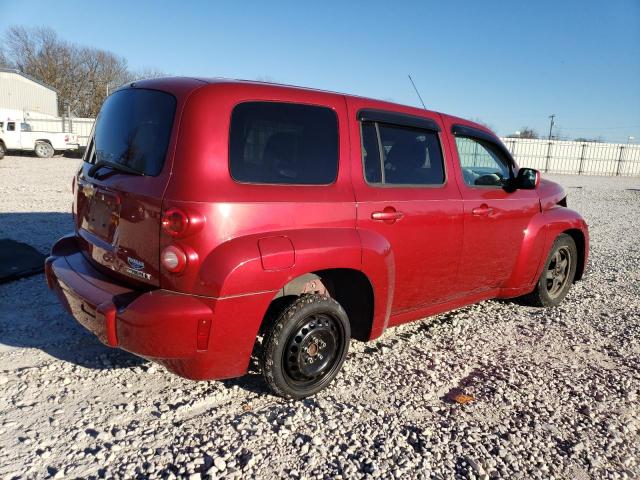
[(17, 134)]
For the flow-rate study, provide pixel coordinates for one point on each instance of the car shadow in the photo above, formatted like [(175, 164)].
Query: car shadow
[(31, 315)]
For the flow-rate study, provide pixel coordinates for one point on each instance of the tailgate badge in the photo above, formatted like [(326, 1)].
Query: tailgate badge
[(135, 263)]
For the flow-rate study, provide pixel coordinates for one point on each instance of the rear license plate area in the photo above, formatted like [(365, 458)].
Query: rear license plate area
[(103, 216)]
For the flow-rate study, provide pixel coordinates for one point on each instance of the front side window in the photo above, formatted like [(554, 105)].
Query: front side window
[(283, 143), (398, 155), (11, 126), (482, 164)]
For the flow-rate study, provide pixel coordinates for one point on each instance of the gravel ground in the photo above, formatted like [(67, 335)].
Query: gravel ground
[(555, 392)]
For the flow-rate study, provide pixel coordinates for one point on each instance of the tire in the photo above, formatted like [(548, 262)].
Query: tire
[(556, 277), (304, 349), (44, 150), (3, 150)]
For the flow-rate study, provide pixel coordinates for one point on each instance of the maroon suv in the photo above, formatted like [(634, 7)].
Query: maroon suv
[(215, 219)]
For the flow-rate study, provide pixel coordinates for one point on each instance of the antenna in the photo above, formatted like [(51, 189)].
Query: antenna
[(416, 89)]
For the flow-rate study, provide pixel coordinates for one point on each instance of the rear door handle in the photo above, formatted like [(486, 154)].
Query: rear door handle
[(388, 215), (482, 211)]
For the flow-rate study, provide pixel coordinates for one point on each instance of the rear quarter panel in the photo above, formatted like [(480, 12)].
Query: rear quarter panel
[(319, 221)]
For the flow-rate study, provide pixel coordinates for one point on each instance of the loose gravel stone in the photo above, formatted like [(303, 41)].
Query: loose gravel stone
[(554, 392), (220, 464)]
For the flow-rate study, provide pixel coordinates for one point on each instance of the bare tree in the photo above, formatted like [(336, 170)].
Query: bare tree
[(103, 73), (147, 72), (525, 132), (82, 75), (483, 123), (4, 61), (589, 140)]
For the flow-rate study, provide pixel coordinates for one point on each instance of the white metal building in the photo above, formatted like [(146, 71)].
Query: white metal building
[(19, 91)]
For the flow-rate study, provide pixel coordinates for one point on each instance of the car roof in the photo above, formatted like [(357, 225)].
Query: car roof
[(181, 83)]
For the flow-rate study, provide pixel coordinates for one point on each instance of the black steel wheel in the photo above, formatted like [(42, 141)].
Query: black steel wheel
[(557, 275), (305, 348)]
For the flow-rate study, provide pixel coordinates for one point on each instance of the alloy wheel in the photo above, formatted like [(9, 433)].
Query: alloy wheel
[(558, 271)]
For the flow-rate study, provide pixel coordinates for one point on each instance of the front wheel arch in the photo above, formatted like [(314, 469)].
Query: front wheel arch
[(556, 276), (578, 238)]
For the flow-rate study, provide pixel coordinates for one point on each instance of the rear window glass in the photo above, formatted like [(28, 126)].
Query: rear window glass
[(410, 156), (283, 143), (133, 129)]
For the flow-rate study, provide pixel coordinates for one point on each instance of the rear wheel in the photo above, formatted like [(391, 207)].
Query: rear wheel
[(557, 275), (44, 150), (304, 349)]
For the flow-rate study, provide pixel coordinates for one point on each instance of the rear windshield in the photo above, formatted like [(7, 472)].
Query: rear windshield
[(133, 129)]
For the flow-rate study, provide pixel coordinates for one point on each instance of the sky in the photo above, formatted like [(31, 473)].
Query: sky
[(506, 64)]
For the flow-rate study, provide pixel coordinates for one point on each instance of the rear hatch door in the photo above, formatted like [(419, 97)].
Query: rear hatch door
[(120, 186)]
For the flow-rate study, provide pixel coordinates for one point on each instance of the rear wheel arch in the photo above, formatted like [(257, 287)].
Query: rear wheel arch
[(351, 288)]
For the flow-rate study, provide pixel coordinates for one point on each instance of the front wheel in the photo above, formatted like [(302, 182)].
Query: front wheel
[(44, 150), (3, 150), (304, 349), (557, 275)]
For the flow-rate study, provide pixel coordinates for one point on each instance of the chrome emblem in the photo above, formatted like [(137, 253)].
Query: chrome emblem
[(137, 273), (135, 263)]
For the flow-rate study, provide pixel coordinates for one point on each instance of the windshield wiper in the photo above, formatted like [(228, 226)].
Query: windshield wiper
[(116, 166)]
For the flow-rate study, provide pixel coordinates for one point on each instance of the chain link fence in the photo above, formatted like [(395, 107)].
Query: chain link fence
[(79, 126), (578, 158), (553, 156)]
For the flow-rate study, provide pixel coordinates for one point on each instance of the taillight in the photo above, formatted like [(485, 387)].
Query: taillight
[(66, 138), (173, 259), (175, 222)]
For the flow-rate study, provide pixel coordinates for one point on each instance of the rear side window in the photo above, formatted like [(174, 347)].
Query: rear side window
[(283, 143), (398, 155), (133, 129)]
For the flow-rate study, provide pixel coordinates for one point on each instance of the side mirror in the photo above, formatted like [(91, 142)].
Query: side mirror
[(528, 179)]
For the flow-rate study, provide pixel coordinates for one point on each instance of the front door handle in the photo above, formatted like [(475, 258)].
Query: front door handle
[(482, 211), (388, 215)]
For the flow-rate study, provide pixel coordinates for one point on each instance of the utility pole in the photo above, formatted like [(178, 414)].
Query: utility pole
[(552, 116)]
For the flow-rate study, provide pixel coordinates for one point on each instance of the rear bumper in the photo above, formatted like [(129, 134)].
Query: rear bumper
[(177, 330)]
